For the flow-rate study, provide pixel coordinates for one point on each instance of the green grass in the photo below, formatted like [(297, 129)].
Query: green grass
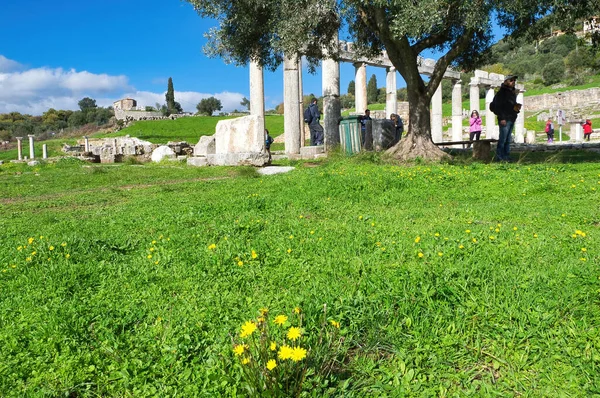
[(123, 296), (594, 81)]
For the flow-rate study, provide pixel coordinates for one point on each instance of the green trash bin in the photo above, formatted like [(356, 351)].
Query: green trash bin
[(350, 134)]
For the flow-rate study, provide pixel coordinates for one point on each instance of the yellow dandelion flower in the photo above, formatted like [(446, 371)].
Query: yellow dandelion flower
[(300, 216), (372, 224), (41, 236), (436, 234), (461, 247), (273, 346), (573, 236), (294, 333), (535, 235), (260, 319), (360, 217), (417, 239), (245, 361), (212, 246), (254, 255), (298, 354), (28, 259), (239, 349), (289, 250), (285, 352), (297, 310), (440, 254), (515, 228), (63, 244), (583, 259), (280, 320), (30, 240), (247, 329), (335, 324), (67, 255), (20, 248), (291, 236), (492, 237), (51, 248), (468, 231), (312, 232), (240, 263), (149, 256), (583, 249), (156, 262), (497, 230), (420, 255), (271, 364), (152, 249), (33, 253), (474, 240)]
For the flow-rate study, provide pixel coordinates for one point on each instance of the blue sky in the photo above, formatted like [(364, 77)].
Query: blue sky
[(53, 53)]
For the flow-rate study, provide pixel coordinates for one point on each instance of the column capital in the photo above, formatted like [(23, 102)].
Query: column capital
[(30, 135), (19, 138)]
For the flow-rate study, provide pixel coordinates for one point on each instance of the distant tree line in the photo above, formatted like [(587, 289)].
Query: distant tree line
[(15, 124)]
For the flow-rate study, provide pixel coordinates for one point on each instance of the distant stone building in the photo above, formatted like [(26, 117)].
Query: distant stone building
[(591, 26), (126, 104)]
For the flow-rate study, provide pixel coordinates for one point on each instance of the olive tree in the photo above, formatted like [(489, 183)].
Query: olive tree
[(458, 31)]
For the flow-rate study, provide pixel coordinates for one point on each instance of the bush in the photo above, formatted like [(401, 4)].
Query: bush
[(553, 72)]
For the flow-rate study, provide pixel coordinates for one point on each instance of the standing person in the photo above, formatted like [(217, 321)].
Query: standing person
[(268, 141), (587, 129), (550, 130), (474, 127), (363, 125), (506, 108), (399, 127), (316, 130)]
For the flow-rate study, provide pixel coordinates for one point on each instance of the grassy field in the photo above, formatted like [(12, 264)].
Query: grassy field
[(458, 279)]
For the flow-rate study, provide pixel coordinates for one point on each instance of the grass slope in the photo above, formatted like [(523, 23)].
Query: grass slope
[(447, 280)]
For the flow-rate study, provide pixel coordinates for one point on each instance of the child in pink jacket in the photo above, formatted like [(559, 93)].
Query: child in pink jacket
[(474, 126)]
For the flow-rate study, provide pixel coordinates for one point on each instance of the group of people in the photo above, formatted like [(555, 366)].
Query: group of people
[(504, 106)]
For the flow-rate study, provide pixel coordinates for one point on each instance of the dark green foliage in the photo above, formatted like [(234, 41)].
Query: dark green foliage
[(352, 87), (372, 91), (170, 98), (207, 106), (86, 104), (553, 72)]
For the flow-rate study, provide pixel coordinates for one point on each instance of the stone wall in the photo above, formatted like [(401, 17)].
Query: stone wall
[(567, 100)]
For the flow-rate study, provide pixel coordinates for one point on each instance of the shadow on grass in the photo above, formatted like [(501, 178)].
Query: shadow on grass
[(567, 156)]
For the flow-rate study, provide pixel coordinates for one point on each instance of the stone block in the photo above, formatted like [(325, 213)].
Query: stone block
[(33, 163), (384, 134), (271, 170), (257, 159), (309, 152), (496, 76), (197, 161), (482, 150), (240, 135), (481, 73), (206, 146), (162, 152)]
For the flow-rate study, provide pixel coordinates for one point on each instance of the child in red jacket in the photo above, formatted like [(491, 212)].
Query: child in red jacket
[(587, 129)]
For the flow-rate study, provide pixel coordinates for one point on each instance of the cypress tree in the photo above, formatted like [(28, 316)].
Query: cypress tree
[(170, 97)]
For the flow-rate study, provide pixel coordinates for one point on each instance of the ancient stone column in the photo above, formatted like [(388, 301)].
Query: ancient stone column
[(303, 126), (576, 132), (490, 118), (19, 148), (436, 115), (44, 151), (360, 88), (87, 144), (290, 105), (257, 93), (115, 146), (474, 95), (457, 132), (520, 122), (332, 110), (391, 97), (31, 149)]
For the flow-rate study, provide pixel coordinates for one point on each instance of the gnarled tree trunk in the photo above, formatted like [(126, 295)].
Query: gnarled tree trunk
[(417, 143)]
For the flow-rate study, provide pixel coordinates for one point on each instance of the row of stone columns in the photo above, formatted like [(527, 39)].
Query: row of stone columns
[(31, 148)]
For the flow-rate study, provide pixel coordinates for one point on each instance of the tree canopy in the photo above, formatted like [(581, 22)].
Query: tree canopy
[(459, 31), (209, 105)]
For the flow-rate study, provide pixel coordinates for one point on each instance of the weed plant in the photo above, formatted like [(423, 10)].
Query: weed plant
[(460, 279)]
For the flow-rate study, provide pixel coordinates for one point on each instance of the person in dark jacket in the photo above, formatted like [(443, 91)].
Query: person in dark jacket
[(505, 106), (316, 130)]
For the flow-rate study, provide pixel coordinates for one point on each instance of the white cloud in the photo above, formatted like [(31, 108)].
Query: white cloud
[(8, 65), (34, 91)]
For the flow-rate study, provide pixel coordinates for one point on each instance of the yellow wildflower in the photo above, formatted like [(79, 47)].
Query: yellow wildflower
[(468, 231), (273, 346), (247, 329), (149, 256), (239, 349), (285, 352), (272, 364), (212, 246), (298, 354), (245, 361), (420, 255), (280, 319), (294, 333), (461, 247), (20, 248), (440, 254), (417, 239), (51, 248), (583, 249), (335, 324), (67, 255), (63, 244), (240, 263), (297, 310), (254, 255), (153, 242), (30, 240), (264, 311), (289, 250)]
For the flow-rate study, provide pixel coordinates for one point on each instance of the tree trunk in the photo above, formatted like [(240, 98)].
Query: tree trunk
[(417, 143)]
